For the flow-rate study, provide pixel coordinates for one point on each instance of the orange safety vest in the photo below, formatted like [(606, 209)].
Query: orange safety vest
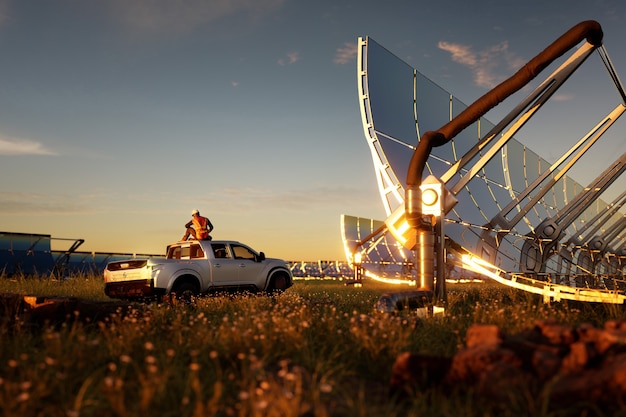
[(200, 224)]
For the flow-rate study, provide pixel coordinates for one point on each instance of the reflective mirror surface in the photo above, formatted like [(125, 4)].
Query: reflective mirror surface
[(398, 105)]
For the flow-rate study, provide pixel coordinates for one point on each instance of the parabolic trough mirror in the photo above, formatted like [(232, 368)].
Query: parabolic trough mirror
[(507, 213)]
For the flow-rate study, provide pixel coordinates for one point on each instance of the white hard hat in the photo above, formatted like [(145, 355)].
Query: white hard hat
[(195, 211)]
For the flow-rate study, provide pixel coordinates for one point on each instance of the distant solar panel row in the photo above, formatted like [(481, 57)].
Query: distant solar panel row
[(31, 254)]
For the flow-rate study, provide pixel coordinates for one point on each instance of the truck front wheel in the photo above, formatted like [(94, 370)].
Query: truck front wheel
[(278, 284)]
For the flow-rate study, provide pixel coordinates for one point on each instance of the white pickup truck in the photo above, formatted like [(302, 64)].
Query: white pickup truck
[(196, 267)]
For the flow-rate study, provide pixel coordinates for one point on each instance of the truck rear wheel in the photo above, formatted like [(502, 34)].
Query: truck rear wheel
[(185, 292)]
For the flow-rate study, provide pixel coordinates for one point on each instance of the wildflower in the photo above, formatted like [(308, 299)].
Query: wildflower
[(12, 363), (113, 383), (213, 354), (148, 345), (150, 359), (125, 359), (326, 388), (261, 405), (194, 366)]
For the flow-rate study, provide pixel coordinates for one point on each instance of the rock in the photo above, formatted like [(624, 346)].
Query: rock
[(417, 371), (559, 365), (579, 355), (468, 364), (483, 335), (556, 333)]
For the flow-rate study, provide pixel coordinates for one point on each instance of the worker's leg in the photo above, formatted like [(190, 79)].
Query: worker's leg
[(189, 232)]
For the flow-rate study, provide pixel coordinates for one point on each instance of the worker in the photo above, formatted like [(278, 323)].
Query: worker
[(198, 227)]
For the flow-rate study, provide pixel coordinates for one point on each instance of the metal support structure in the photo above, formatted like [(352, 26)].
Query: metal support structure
[(358, 268), (423, 233), (357, 254), (589, 30), (61, 262), (602, 243), (547, 235), (489, 243), (390, 191), (568, 251), (516, 119), (594, 225), (441, 293)]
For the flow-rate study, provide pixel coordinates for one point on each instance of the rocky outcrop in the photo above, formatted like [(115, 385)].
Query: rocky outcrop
[(568, 364)]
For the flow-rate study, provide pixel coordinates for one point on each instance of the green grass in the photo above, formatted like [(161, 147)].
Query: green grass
[(317, 350)]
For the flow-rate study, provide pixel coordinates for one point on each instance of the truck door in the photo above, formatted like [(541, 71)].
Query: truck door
[(249, 267), (224, 267)]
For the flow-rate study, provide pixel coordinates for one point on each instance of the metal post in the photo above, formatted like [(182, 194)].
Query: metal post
[(426, 258), (440, 290)]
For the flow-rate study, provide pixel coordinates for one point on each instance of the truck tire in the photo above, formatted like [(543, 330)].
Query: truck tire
[(185, 292), (278, 284)]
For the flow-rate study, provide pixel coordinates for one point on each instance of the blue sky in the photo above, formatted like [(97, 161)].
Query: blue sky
[(117, 118)]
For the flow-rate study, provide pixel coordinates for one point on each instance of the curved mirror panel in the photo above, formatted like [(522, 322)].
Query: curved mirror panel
[(401, 104)]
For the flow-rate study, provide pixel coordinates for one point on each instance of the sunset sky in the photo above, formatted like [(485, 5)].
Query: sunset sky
[(117, 117)]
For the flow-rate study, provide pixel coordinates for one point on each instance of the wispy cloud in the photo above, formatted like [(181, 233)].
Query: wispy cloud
[(184, 15), (11, 146), (12, 203), (485, 64), (563, 97), (292, 58), (346, 53)]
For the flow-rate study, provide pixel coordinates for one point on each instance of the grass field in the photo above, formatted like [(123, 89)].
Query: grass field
[(319, 349)]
